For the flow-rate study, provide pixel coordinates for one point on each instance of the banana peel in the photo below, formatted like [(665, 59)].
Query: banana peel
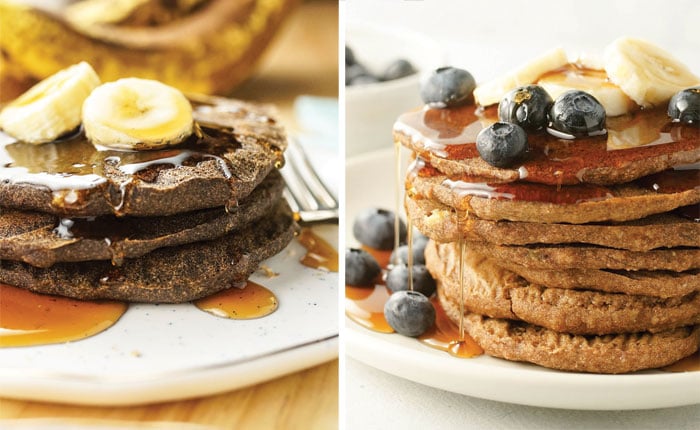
[(210, 49)]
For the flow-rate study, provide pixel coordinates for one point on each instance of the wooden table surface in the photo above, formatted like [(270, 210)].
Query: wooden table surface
[(302, 60)]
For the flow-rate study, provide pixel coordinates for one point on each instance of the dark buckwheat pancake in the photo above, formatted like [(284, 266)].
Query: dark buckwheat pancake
[(625, 202), (234, 147), (166, 275), (446, 138), (440, 223), (590, 257), (31, 237), (498, 293)]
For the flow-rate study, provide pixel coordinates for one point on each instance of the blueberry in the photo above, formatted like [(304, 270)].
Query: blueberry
[(448, 86), (357, 74), (400, 255), (361, 269), (398, 69), (423, 282), (577, 113), (526, 106), (419, 239), (685, 106), (501, 144), (374, 227), (410, 313), (349, 56)]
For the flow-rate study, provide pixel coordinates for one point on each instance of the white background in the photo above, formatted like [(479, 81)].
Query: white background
[(488, 38)]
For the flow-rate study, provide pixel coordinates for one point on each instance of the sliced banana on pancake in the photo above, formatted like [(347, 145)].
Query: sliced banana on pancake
[(646, 73), (134, 113), (493, 91), (592, 80), (50, 108)]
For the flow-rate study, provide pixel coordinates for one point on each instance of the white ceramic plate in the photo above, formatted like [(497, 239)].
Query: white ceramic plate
[(165, 352), (370, 180)]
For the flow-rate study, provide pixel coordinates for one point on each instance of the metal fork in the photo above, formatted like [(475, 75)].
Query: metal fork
[(306, 194)]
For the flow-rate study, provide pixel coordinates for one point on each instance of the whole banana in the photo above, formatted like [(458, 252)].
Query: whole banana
[(209, 48)]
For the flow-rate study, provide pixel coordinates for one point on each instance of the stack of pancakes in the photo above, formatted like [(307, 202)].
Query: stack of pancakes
[(582, 257), (171, 225)]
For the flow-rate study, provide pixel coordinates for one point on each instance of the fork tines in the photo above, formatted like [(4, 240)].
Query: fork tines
[(306, 194)]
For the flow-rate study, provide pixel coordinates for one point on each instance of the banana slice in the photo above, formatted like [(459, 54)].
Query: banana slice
[(594, 82), (135, 113), (646, 73), (50, 108), (493, 91)]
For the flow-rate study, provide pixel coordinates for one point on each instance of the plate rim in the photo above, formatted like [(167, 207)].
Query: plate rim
[(98, 390)]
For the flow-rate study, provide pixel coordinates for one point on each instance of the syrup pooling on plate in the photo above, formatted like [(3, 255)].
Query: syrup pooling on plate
[(319, 253), (28, 318), (690, 363), (451, 134), (251, 300), (446, 337), (365, 306)]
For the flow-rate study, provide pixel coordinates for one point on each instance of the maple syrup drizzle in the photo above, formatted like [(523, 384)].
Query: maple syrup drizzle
[(690, 363), (319, 253), (445, 336), (29, 319), (409, 238), (365, 305), (451, 134), (72, 168), (460, 273), (397, 193), (251, 301)]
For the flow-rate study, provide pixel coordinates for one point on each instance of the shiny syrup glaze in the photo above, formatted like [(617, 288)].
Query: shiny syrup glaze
[(319, 253), (71, 167), (669, 181), (251, 301), (28, 319), (451, 134)]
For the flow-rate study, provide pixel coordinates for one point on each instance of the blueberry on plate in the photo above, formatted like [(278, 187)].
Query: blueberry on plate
[(577, 113), (419, 240), (400, 254), (361, 269), (398, 69), (685, 106), (423, 282), (526, 106), (410, 313), (349, 56), (447, 87), (357, 74), (502, 144), (374, 227)]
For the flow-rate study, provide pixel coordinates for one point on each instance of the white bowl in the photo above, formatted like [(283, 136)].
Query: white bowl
[(372, 109)]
